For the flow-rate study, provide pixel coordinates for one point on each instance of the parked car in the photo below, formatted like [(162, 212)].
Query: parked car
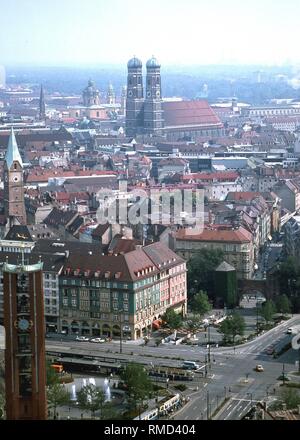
[(289, 331), (97, 340), (82, 338), (259, 368)]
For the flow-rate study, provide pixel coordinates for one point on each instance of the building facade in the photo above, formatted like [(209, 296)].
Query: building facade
[(236, 243), (121, 293)]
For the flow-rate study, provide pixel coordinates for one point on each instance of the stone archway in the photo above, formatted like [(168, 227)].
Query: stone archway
[(116, 331), (106, 330)]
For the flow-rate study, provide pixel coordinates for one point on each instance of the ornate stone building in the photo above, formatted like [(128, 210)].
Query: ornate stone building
[(91, 95)]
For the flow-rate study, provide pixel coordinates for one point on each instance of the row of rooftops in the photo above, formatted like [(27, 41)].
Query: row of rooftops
[(75, 258)]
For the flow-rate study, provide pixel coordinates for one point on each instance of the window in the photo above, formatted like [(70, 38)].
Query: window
[(115, 305)]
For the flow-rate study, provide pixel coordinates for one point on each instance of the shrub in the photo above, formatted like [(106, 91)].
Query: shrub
[(180, 387)]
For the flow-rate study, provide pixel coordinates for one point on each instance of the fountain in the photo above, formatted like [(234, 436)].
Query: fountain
[(73, 394), (106, 389)]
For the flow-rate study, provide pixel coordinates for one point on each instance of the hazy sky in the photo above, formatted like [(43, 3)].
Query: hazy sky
[(62, 32)]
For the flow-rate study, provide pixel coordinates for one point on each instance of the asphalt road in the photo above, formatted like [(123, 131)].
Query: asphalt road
[(231, 375)]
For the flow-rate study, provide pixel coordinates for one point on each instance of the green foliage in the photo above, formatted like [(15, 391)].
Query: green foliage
[(200, 303), (193, 323), (201, 268), (91, 398), (180, 387), (57, 395), (52, 376), (232, 326), (290, 397), (137, 382), (283, 304), (268, 310), (172, 318)]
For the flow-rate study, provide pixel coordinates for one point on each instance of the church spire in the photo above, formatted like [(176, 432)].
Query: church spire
[(42, 106), (12, 154)]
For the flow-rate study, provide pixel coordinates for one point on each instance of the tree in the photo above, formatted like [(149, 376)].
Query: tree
[(201, 268), (51, 375), (193, 323), (283, 304), (268, 310), (57, 395), (173, 320), (137, 383), (232, 326), (290, 397), (92, 398), (200, 303)]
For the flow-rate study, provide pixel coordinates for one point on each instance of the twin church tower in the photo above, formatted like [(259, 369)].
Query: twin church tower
[(144, 115)]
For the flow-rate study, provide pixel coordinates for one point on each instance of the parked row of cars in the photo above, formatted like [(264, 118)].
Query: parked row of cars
[(85, 339)]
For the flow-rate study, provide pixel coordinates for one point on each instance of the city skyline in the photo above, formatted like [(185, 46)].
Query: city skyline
[(56, 33)]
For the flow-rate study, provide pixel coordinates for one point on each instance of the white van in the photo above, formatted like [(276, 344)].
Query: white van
[(190, 365)]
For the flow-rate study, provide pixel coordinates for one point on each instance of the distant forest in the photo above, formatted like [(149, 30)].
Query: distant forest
[(251, 84)]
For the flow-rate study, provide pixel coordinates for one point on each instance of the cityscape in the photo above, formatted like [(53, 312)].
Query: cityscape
[(149, 215)]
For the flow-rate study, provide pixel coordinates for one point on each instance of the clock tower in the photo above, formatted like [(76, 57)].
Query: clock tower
[(153, 112), (25, 372), (14, 206)]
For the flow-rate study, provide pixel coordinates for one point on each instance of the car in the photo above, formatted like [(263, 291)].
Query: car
[(97, 340), (259, 368), (82, 338), (190, 365), (289, 331)]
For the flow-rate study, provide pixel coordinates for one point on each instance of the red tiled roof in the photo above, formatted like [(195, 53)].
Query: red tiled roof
[(44, 176), (224, 176), (243, 195), (189, 113), (239, 235)]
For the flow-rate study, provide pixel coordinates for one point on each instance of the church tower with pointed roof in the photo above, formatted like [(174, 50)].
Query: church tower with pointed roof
[(14, 206)]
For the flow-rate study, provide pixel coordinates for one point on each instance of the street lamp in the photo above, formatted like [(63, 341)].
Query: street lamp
[(121, 336), (208, 343)]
